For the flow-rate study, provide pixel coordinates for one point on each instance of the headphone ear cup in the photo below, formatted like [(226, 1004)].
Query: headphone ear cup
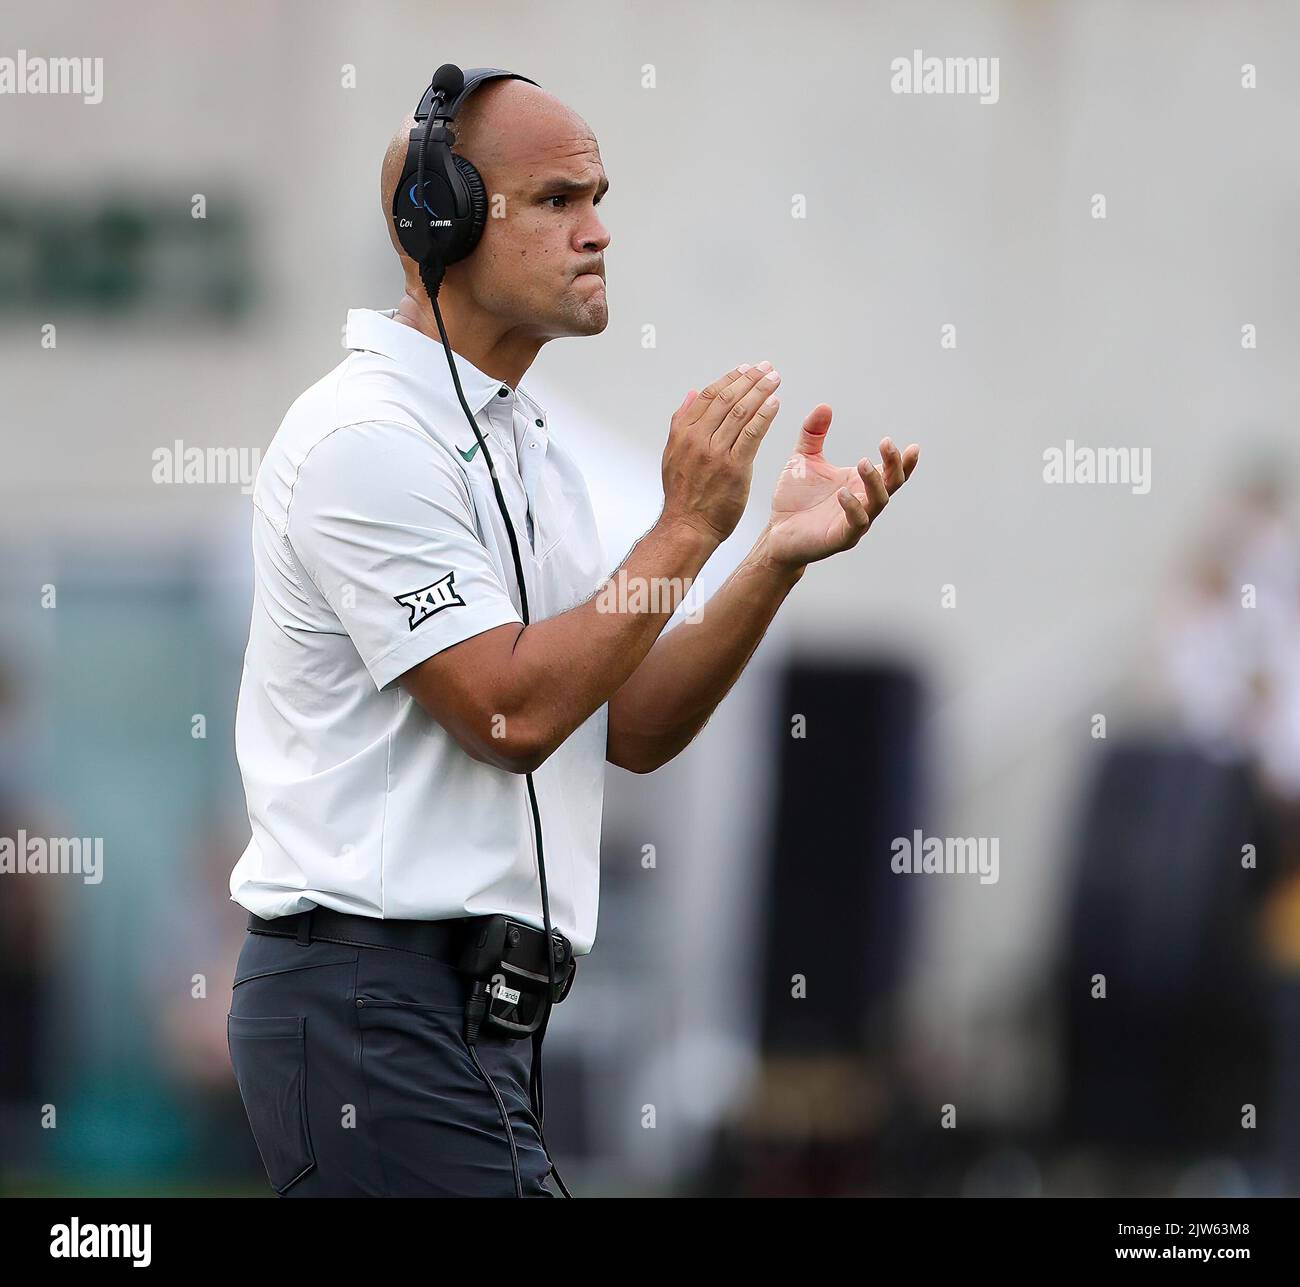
[(476, 191), (409, 220)]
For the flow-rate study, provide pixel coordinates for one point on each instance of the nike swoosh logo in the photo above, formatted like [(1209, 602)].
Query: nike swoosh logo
[(467, 455)]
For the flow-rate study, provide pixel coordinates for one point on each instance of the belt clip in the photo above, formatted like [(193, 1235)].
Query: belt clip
[(304, 929)]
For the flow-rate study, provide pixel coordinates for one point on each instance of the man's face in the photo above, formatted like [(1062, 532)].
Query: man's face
[(539, 266)]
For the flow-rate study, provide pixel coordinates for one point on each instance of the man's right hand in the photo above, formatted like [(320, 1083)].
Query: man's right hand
[(709, 460)]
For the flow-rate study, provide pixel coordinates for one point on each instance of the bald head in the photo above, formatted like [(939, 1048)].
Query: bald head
[(538, 270)]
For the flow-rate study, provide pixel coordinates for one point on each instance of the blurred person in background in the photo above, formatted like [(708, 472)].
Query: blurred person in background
[(1231, 665), (26, 926), (207, 935), (1232, 646)]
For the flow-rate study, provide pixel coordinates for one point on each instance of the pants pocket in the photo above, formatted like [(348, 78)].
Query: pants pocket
[(270, 1061)]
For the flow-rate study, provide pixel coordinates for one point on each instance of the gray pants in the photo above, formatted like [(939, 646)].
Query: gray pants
[(357, 1080)]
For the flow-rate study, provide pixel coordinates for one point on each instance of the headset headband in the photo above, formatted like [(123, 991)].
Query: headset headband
[(474, 77)]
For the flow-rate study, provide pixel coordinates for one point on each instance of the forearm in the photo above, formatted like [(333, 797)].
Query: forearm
[(563, 669), (688, 672), (511, 694)]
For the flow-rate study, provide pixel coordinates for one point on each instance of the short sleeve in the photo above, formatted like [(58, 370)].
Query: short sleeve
[(381, 519)]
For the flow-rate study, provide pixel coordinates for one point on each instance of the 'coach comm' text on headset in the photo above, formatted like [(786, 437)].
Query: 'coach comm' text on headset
[(439, 210)]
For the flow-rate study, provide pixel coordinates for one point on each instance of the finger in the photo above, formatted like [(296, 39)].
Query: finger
[(910, 457), (891, 460), (877, 492), (744, 409), (732, 401), (813, 433), (856, 516), (751, 436), (717, 400), (693, 398)]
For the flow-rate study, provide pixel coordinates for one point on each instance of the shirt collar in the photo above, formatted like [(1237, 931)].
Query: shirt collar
[(375, 331)]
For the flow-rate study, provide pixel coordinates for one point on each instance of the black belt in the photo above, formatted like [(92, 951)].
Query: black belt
[(513, 955), (442, 940)]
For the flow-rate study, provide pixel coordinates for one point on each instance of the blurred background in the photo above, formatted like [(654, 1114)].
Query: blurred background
[(1101, 681)]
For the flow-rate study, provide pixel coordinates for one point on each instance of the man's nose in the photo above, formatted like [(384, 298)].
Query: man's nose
[(593, 235)]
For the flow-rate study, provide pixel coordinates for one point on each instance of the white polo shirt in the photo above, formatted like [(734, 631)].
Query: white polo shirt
[(377, 542)]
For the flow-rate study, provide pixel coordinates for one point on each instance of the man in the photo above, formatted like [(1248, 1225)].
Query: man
[(408, 736)]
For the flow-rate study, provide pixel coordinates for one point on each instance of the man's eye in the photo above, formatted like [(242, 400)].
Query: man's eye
[(559, 196)]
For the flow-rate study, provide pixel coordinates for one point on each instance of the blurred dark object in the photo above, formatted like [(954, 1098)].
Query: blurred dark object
[(835, 926), (836, 914), (25, 949), (23, 984), (1164, 909)]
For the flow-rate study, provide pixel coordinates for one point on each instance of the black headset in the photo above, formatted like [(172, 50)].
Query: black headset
[(439, 210), (441, 203)]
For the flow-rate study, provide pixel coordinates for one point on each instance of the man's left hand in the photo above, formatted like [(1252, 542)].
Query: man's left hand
[(819, 509)]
